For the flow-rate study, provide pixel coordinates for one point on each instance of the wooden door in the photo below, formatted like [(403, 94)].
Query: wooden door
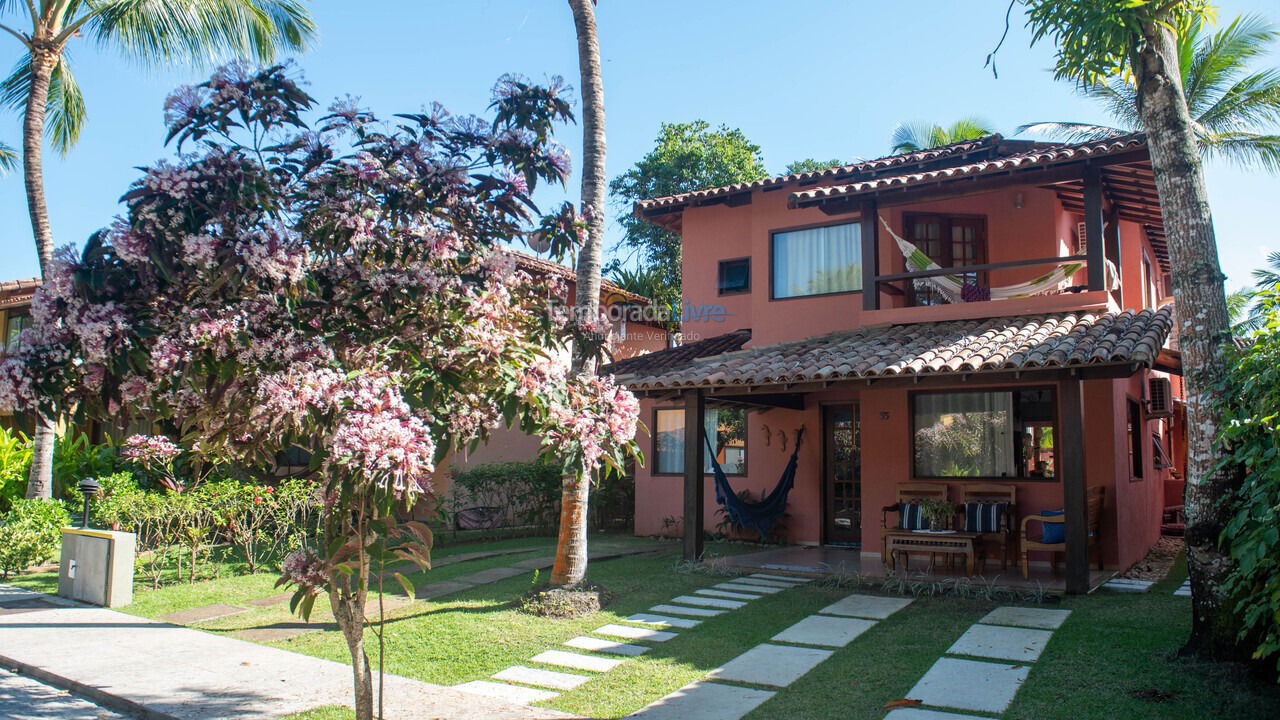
[(949, 241), (842, 475)]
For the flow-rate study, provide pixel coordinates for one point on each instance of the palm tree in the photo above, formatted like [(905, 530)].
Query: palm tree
[(151, 33), (1234, 109), (8, 159), (1247, 315), (913, 136), (570, 567)]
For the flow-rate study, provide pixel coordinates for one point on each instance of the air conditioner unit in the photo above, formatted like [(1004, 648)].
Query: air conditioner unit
[(1159, 398)]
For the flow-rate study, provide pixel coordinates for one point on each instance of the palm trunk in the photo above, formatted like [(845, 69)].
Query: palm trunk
[(1203, 330), (570, 567), (43, 60)]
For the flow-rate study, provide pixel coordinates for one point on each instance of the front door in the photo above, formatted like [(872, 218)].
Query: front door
[(842, 475)]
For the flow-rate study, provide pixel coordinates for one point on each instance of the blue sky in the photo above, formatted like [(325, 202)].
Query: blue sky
[(821, 79)]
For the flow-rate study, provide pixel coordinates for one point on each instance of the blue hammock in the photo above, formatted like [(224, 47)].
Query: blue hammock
[(763, 515)]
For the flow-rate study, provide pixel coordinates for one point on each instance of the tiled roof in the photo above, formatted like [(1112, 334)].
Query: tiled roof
[(1032, 158), (1060, 340), (879, 164), (17, 292), (655, 362), (534, 263)]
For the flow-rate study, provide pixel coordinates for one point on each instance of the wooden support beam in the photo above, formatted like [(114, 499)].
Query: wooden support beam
[(694, 417), (1094, 247), (870, 255), (1074, 493), (1111, 243)]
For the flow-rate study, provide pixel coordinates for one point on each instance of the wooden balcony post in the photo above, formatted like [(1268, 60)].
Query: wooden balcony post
[(694, 418), (1094, 247), (1074, 493), (870, 255), (1111, 235)]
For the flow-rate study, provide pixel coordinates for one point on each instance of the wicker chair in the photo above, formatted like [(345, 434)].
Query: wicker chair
[(1006, 536), (1094, 503)]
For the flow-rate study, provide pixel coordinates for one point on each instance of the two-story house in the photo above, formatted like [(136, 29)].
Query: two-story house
[(991, 312)]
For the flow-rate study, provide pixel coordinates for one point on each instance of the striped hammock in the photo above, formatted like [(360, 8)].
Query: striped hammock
[(954, 290)]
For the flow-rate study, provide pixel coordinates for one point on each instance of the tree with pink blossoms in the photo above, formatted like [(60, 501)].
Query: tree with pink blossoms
[(336, 287)]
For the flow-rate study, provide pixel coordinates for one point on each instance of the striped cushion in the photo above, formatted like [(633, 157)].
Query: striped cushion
[(984, 517), (910, 517)]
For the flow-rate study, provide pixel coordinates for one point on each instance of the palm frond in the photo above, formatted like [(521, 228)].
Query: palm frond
[(1244, 149), (65, 112), (912, 136), (8, 159), (1120, 99), (201, 32), (968, 128), (1219, 57), (1071, 132), (1253, 100), (1268, 277)]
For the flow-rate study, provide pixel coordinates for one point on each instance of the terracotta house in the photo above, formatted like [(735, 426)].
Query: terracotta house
[(15, 316), (986, 312)]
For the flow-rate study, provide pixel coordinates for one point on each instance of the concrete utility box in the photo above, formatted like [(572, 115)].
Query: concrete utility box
[(97, 566)]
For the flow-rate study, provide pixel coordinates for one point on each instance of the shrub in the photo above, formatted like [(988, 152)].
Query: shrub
[(529, 492), (15, 459), (30, 533), (76, 457), (1250, 438)]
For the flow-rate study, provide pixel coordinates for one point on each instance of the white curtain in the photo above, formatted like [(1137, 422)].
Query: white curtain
[(670, 445), (964, 435), (817, 261)]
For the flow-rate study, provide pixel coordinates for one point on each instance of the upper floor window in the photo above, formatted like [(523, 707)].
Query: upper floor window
[(1150, 294), (949, 241), (16, 324), (734, 276), (817, 261)]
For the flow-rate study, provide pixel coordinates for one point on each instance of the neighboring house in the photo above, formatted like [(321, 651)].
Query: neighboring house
[(803, 311), (15, 316)]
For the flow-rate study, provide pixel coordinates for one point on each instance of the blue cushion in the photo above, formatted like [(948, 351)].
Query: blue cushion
[(984, 517), (910, 517), (1052, 532)]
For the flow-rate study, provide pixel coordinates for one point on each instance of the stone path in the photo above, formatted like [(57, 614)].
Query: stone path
[(533, 684), (22, 698), (1009, 640), (148, 668), (1184, 590), (787, 657), (1128, 585)]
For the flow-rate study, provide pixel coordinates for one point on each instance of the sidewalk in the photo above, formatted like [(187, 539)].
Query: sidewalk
[(166, 672)]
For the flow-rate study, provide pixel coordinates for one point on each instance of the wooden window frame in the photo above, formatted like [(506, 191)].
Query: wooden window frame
[(653, 444), (811, 226), (720, 290), (1136, 437), (944, 237), (1057, 425)]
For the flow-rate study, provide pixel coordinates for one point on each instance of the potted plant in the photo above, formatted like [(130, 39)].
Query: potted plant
[(940, 514)]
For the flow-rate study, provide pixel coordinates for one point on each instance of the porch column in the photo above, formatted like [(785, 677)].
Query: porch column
[(694, 415), (1111, 236), (1071, 409), (1094, 247), (870, 255)]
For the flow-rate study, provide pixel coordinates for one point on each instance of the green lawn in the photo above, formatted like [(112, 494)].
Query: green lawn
[(1110, 647)]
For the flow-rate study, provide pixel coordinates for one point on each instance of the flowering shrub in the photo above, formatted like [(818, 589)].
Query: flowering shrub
[(335, 288), (30, 533)]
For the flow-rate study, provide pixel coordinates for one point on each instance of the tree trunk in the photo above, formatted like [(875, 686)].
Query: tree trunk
[(348, 611), (570, 567), (43, 60), (1203, 330)]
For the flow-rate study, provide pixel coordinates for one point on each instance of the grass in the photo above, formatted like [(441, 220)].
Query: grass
[(1112, 645)]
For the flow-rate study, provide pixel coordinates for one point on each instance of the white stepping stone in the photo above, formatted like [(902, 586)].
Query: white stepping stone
[(1043, 618), (503, 691), (922, 714), (690, 611), (727, 594), (744, 587), (781, 578), (824, 631), (605, 646), (1129, 586), (705, 701), (633, 633), (575, 661), (749, 580), (765, 664), (1002, 643), (1184, 590), (708, 602), (970, 685), (875, 607), (651, 619), (544, 678)]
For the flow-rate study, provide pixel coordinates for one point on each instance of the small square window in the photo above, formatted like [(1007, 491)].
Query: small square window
[(735, 276)]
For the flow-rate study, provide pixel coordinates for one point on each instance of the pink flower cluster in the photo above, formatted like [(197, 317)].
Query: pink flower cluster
[(271, 257), (380, 437), (149, 448), (306, 569), (593, 416)]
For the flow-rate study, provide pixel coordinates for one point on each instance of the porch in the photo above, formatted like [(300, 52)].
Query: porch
[(834, 561)]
